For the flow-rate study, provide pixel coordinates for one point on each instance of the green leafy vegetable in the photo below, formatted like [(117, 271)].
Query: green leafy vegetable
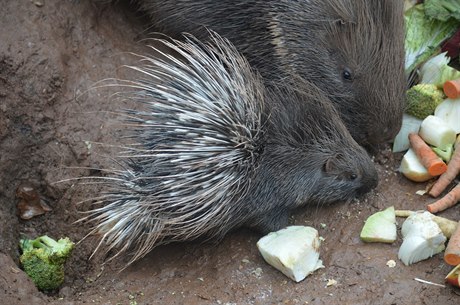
[(424, 35), (442, 9)]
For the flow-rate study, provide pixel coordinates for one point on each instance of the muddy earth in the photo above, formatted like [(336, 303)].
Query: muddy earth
[(53, 114)]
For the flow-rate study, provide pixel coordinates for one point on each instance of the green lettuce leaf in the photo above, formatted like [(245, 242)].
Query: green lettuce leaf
[(424, 35), (442, 9)]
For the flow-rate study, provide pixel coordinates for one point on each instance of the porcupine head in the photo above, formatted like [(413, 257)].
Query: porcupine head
[(213, 149), (364, 41)]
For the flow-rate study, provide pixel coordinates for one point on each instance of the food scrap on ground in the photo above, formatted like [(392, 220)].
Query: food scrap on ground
[(447, 226), (380, 227), (422, 238), (294, 251), (43, 260)]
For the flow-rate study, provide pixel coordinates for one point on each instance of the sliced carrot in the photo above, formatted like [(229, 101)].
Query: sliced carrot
[(445, 202), (426, 155), (452, 253), (453, 169), (452, 88)]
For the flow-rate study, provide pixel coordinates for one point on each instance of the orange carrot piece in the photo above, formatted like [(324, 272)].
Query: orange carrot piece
[(452, 88), (427, 156), (445, 202), (453, 169), (452, 253)]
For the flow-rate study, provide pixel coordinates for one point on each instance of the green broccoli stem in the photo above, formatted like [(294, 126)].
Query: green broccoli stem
[(42, 242), (46, 242), (61, 248)]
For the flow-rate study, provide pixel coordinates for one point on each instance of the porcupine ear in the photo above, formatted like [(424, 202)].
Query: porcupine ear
[(195, 146)]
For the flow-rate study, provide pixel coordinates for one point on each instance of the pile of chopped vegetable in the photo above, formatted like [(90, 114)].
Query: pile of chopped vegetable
[(430, 133), (424, 235)]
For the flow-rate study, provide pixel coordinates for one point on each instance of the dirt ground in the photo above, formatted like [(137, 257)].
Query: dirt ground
[(51, 54)]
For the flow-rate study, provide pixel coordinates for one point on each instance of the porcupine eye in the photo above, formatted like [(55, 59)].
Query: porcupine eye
[(346, 74), (352, 176), (348, 176), (334, 167)]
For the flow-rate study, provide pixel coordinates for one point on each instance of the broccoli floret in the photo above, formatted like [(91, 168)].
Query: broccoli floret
[(422, 100), (43, 260)]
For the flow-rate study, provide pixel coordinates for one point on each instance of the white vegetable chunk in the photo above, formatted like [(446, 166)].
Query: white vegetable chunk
[(412, 169), (409, 124), (436, 132), (449, 112), (422, 238), (380, 227), (294, 251)]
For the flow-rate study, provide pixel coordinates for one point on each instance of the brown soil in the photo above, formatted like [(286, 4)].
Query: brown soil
[(52, 54)]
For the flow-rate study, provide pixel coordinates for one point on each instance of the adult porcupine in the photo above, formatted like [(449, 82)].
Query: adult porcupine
[(352, 49), (215, 150)]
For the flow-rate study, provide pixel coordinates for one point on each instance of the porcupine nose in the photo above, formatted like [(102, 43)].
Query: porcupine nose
[(369, 179), (378, 135)]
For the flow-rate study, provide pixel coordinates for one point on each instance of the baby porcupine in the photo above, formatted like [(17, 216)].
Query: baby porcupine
[(215, 150), (352, 49)]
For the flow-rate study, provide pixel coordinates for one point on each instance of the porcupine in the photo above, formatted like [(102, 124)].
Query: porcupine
[(352, 49), (215, 150)]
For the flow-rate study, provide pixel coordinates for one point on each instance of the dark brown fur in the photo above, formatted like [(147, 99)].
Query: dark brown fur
[(352, 49)]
